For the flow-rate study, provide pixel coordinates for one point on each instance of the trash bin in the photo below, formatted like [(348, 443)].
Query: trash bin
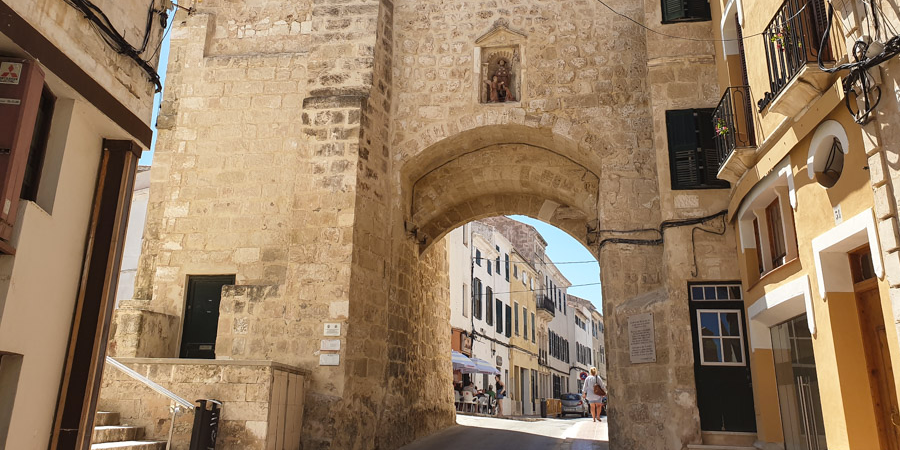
[(206, 425), (544, 408)]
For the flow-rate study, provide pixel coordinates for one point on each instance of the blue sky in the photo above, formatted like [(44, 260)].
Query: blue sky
[(560, 246), (564, 248)]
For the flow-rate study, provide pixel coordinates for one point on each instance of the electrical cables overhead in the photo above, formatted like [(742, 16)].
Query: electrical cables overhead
[(107, 31)]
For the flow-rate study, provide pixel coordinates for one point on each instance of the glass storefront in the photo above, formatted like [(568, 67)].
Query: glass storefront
[(798, 387)]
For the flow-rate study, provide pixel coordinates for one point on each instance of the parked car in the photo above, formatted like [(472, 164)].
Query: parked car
[(574, 404)]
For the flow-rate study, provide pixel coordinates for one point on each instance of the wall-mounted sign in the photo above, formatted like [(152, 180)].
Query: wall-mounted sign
[(332, 329), (329, 359), (499, 360), (583, 376), (641, 338), (838, 215), (10, 73), (330, 344)]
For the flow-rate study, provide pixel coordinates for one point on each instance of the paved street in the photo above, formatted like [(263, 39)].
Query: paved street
[(497, 434)]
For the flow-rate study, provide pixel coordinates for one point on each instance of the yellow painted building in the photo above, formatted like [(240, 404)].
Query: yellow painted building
[(523, 344), (822, 343)]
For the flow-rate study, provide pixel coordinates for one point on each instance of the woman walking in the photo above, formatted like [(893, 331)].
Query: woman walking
[(593, 392), (501, 393)]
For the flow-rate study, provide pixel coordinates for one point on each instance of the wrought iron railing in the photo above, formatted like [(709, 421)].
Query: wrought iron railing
[(733, 122), (792, 41), (545, 303)]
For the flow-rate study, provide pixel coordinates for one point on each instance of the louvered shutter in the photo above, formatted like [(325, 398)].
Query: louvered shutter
[(673, 10), (499, 316), (709, 159), (698, 9), (683, 154), (508, 321)]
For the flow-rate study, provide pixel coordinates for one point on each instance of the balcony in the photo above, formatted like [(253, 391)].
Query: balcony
[(546, 306), (792, 41), (735, 137)]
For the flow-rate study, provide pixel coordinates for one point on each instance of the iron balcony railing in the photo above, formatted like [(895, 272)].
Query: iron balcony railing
[(792, 41), (545, 303), (733, 122)]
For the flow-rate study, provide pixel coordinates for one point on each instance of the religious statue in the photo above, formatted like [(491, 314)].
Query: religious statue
[(499, 84)]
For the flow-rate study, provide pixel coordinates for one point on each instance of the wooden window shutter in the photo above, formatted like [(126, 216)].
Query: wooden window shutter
[(673, 10), (683, 155), (698, 9), (508, 320), (706, 136)]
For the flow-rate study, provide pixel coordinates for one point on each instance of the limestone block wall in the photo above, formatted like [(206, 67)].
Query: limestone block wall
[(263, 402), (131, 325)]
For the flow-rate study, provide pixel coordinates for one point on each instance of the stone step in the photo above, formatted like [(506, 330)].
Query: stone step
[(103, 418), (734, 438), (130, 445), (115, 433)]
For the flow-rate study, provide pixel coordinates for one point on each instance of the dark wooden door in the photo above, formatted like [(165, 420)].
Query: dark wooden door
[(878, 360), (721, 359), (201, 315)]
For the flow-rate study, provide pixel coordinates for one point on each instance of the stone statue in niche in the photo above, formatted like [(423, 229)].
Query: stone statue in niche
[(499, 82)]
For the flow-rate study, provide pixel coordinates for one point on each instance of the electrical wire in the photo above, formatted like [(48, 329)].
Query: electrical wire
[(107, 31), (859, 69)]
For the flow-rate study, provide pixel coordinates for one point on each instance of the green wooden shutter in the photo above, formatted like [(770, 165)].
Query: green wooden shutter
[(706, 133), (499, 316), (489, 313), (697, 9), (673, 10), (683, 154), (508, 320)]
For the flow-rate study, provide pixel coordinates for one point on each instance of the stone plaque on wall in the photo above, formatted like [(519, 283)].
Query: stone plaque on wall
[(641, 338)]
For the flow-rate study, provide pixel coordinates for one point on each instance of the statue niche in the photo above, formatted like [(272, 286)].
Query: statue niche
[(499, 76)]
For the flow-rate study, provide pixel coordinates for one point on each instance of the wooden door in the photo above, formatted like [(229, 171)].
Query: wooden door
[(721, 358), (878, 362), (201, 315)]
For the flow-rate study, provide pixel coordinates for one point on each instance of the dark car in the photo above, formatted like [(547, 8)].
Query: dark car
[(574, 404)]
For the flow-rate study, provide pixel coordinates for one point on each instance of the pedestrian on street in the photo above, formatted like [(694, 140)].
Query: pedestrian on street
[(593, 392), (501, 394)]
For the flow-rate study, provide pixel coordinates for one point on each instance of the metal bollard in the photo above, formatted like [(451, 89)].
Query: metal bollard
[(206, 425)]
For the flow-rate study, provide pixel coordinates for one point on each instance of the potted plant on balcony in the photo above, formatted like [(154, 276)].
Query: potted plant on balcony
[(780, 35), (721, 127)]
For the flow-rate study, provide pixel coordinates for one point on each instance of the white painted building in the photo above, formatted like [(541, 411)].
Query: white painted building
[(581, 341), (134, 234)]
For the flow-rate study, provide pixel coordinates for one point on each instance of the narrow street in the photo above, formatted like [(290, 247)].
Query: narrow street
[(498, 434)]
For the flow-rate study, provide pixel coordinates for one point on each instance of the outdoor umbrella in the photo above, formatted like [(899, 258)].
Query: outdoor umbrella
[(461, 362), (482, 366)]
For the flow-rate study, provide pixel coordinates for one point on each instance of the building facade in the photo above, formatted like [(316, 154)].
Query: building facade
[(74, 119), (599, 344), (523, 344), (813, 213)]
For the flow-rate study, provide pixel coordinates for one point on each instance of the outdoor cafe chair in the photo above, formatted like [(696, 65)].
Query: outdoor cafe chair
[(468, 399)]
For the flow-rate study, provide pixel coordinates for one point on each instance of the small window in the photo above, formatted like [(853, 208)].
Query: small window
[(693, 158), (489, 300), (674, 11), (532, 328), (489, 267), (477, 257), (776, 233), (506, 262), (517, 318), (500, 316), (508, 321), (524, 323), (759, 258), (721, 337), (476, 298)]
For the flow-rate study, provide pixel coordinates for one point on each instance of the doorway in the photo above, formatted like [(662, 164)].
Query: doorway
[(201, 315), (721, 362), (875, 346)]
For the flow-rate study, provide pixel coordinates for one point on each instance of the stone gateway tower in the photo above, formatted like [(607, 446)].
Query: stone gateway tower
[(313, 153)]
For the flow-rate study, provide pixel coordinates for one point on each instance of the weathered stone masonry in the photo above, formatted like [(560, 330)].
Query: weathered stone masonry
[(320, 150)]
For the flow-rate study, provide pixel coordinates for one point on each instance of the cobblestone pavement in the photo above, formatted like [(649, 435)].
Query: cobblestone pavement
[(498, 434)]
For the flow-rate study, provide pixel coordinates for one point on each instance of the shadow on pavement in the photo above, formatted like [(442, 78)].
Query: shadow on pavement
[(461, 437)]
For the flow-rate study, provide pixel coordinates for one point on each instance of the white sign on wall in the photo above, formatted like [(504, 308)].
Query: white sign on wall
[(838, 215), (641, 338), (332, 329), (330, 344), (329, 359)]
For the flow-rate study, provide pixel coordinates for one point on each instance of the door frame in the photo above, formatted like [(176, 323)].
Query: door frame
[(187, 295)]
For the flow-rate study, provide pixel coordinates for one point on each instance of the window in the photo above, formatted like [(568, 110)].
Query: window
[(524, 323), (759, 257), (38, 148), (506, 260), (500, 317), (532, 328), (716, 292), (489, 267), (465, 310), (477, 257), (721, 339), (489, 300), (517, 318), (833, 167), (693, 158), (508, 321), (498, 259), (776, 233), (476, 298), (685, 11)]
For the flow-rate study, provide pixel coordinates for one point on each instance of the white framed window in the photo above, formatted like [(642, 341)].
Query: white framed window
[(721, 337)]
